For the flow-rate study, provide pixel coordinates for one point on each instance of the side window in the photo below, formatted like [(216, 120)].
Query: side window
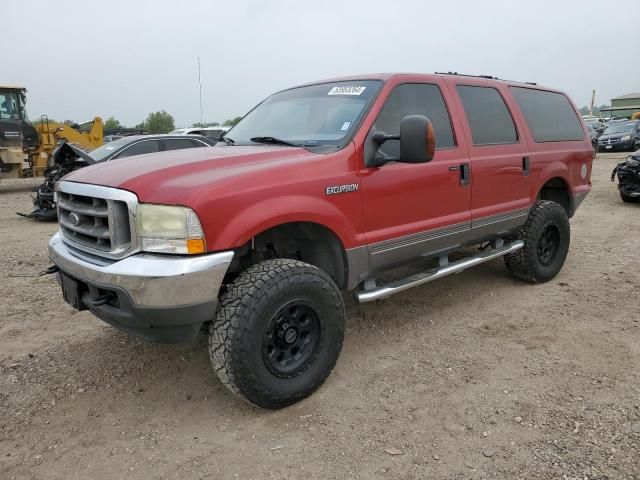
[(415, 99), (178, 143), (488, 116), (140, 148), (200, 143), (550, 116)]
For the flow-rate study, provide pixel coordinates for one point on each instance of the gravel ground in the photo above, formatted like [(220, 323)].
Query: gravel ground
[(474, 376)]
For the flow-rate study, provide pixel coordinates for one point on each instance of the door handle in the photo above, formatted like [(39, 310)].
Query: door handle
[(525, 166), (465, 174)]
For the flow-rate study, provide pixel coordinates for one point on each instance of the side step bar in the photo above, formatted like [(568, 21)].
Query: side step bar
[(385, 291)]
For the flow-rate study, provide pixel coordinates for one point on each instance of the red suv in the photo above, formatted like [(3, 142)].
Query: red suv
[(321, 189)]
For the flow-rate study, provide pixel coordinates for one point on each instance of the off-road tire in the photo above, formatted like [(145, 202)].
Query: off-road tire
[(249, 307), (526, 264), (628, 199)]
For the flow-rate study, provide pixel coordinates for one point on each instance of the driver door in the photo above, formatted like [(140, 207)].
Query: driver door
[(416, 209)]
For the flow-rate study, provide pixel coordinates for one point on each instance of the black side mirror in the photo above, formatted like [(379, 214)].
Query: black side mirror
[(417, 141)]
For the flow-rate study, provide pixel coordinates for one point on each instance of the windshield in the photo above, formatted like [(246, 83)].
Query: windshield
[(107, 149), (312, 116), (180, 131), (619, 128), (9, 106)]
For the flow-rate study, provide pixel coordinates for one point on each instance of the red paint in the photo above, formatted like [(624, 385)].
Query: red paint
[(239, 192)]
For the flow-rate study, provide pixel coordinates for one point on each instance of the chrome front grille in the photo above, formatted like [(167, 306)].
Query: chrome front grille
[(85, 220), (99, 220)]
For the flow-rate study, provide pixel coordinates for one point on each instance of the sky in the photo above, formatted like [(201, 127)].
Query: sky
[(80, 59)]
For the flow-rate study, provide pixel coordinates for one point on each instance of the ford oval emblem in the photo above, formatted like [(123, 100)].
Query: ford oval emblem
[(74, 218)]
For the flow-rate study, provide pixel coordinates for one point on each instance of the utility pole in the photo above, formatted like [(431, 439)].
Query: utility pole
[(593, 99), (200, 84)]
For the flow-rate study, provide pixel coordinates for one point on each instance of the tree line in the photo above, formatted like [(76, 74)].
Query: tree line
[(163, 122), (596, 110)]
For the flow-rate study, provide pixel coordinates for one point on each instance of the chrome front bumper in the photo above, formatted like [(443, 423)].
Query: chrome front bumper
[(150, 281)]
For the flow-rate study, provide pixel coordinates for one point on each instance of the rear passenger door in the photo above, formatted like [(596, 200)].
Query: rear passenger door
[(500, 165)]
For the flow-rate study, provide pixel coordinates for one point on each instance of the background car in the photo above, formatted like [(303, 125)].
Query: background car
[(141, 144), (621, 136), (596, 124), (67, 158), (212, 133), (593, 134)]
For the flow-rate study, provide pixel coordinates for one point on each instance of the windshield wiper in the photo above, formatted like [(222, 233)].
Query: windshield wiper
[(273, 141), (227, 140)]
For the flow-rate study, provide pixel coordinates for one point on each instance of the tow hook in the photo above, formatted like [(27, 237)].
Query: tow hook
[(50, 270), (99, 301)]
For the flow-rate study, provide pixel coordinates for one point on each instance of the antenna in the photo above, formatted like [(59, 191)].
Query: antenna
[(200, 84)]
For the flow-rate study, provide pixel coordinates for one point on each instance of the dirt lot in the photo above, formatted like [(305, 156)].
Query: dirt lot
[(475, 376)]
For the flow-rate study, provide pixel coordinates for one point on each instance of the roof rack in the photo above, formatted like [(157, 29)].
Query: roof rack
[(489, 77)]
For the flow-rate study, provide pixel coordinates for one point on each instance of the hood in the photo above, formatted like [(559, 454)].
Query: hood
[(165, 176), (606, 136)]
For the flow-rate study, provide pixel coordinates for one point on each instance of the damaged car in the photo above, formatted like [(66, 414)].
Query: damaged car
[(68, 157)]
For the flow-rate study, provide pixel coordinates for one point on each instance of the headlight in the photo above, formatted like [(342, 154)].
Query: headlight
[(625, 138), (632, 162), (169, 229)]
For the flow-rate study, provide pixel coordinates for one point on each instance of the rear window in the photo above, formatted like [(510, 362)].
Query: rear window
[(550, 116), (489, 118)]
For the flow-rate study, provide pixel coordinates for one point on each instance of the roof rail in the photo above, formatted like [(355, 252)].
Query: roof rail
[(489, 77)]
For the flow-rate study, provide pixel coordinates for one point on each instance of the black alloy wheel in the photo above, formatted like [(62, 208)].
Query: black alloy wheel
[(291, 338), (548, 244)]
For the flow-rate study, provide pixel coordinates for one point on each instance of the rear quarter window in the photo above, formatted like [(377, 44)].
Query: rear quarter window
[(549, 115)]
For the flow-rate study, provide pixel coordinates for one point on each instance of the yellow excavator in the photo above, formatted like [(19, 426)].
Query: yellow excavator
[(25, 149), (86, 135)]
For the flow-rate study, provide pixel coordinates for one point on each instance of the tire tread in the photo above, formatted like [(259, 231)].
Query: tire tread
[(228, 333)]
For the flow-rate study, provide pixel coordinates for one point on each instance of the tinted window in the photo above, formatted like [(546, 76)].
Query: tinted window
[(488, 116), (146, 146), (178, 143), (550, 116), (414, 99)]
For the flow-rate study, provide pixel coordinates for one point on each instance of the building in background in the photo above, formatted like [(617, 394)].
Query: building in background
[(624, 105)]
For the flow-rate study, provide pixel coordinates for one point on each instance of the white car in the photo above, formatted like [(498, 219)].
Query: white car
[(210, 132)]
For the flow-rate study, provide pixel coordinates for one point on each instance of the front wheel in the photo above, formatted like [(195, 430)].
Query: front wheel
[(278, 332), (546, 236)]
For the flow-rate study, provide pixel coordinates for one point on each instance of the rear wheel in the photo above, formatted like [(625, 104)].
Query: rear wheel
[(546, 236), (278, 332)]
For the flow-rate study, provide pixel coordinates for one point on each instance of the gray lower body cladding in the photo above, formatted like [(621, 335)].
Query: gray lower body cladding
[(386, 254)]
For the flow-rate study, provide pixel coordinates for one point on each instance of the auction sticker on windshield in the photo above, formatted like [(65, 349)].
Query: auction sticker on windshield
[(347, 90)]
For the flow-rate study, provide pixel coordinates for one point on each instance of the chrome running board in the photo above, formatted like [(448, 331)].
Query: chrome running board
[(385, 291)]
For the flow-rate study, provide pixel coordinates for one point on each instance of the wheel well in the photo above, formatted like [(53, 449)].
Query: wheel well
[(556, 190), (306, 241)]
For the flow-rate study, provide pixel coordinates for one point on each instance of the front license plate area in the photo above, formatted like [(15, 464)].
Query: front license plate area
[(72, 292)]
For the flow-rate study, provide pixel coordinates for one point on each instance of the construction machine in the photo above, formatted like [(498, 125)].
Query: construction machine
[(15, 131), (87, 136), (25, 149)]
